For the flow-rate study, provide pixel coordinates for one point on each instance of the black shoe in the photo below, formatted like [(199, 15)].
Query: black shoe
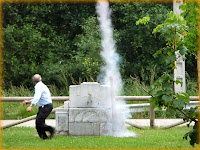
[(44, 137), (52, 134)]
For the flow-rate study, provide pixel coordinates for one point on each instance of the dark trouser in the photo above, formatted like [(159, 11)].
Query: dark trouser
[(40, 121)]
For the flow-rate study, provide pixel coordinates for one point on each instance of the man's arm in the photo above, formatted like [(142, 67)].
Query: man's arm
[(25, 102), (29, 108), (35, 99)]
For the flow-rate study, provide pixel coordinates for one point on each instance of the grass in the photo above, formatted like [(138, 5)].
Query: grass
[(15, 110), (25, 137)]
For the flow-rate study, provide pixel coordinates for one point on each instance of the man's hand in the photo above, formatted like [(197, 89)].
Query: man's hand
[(29, 108), (25, 102)]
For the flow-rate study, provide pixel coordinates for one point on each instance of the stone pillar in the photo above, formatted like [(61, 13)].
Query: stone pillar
[(179, 72)]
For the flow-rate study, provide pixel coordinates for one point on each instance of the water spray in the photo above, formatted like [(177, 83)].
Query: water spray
[(110, 74)]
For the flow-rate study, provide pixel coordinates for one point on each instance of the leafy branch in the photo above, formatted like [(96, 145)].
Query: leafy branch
[(138, 81), (173, 30)]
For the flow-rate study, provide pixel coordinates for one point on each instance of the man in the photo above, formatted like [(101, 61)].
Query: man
[(42, 98)]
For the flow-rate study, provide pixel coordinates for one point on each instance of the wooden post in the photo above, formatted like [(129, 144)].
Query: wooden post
[(152, 116)]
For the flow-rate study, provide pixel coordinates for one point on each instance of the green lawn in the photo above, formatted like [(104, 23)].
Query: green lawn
[(24, 137), (15, 110)]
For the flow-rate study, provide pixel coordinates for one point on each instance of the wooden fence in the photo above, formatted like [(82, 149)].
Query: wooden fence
[(65, 98), (126, 98)]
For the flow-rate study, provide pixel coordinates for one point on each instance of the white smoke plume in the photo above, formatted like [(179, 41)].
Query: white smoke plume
[(110, 74), (108, 53)]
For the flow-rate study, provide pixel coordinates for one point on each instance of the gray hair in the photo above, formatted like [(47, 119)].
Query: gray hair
[(37, 78)]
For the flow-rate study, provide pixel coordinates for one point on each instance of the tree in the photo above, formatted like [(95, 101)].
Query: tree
[(173, 30), (190, 14), (136, 44), (41, 34), (24, 48), (69, 34)]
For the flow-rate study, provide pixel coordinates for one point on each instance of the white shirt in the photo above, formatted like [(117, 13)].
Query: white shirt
[(42, 95)]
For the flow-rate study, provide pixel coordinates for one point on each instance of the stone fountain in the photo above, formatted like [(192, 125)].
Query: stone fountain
[(88, 111)]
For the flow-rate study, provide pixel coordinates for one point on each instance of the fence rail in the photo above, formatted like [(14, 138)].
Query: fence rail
[(19, 99), (65, 98)]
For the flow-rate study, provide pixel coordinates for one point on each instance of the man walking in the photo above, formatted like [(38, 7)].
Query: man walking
[(42, 98)]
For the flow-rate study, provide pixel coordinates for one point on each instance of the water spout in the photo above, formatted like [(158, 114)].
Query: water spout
[(110, 74)]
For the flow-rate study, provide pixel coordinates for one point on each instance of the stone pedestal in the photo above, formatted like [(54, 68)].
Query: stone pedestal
[(88, 112), (62, 120)]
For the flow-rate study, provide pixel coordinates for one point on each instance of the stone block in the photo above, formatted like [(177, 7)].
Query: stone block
[(90, 89), (95, 115), (62, 119), (89, 102), (66, 104), (106, 129), (84, 129), (74, 90), (62, 132), (89, 94)]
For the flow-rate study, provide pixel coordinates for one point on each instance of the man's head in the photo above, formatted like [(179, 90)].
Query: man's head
[(37, 78)]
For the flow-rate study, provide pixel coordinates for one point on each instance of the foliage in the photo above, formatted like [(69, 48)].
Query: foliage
[(192, 86), (26, 41), (144, 21), (37, 39), (17, 91), (193, 134), (173, 30), (88, 50), (91, 71), (54, 39), (136, 44), (190, 14)]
